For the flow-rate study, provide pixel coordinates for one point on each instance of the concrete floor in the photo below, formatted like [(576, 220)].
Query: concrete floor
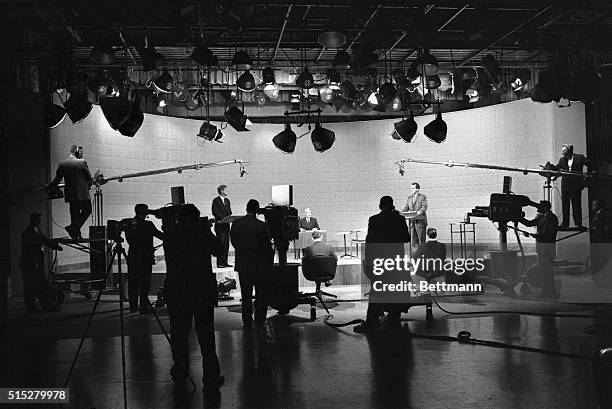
[(303, 364)]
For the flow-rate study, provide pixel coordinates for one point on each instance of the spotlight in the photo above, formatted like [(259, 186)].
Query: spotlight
[(78, 106), (135, 120), (520, 79), (161, 101), (180, 91), (396, 104), (405, 129), (388, 92), (295, 101), (246, 82), (271, 91), (236, 118), (163, 83), (433, 81), (267, 75), (342, 59), (285, 140), (347, 90), (376, 101), (99, 85), (305, 80), (322, 138), (193, 102), (472, 95), (260, 98), (54, 115), (447, 82), (334, 79), (436, 129), (242, 60), (210, 132), (116, 110), (203, 56), (102, 55), (326, 94), (426, 64)]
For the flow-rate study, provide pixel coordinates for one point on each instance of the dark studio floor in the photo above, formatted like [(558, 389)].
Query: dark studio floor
[(302, 364)]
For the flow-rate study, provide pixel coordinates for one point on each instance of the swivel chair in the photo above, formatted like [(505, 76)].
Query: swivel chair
[(319, 269)]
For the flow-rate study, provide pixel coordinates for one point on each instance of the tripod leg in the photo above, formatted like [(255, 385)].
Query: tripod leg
[(167, 336), (91, 315), (120, 251)]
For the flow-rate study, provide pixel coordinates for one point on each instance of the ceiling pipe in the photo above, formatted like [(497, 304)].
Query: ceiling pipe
[(280, 36), (363, 29)]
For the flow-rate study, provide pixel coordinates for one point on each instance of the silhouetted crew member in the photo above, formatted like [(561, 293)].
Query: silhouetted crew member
[(600, 223), (141, 258), (432, 253), (75, 173), (190, 291), (546, 234), (387, 233), (571, 186), (32, 266), (221, 208), (254, 262)]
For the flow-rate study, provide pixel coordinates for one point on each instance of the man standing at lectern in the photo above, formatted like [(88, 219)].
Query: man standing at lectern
[(417, 202), (571, 186), (221, 208), (308, 222), (75, 173)]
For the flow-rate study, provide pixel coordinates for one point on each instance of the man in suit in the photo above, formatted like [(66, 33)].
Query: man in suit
[(190, 290), (308, 222), (318, 248), (140, 258), (432, 253), (387, 233), (75, 173), (571, 186), (417, 202), (254, 261), (221, 208), (32, 266), (600, 223), (546, 234)]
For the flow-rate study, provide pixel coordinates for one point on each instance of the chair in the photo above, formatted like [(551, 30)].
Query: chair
[(319, 269)]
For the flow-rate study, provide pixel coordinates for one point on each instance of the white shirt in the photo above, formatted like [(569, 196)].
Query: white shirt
[(569, 162)]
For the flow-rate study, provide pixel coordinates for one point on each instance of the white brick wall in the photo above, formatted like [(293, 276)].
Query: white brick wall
[(342, 185)]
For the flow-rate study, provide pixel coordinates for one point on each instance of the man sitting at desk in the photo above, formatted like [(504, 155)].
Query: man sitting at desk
[(318, 248), (308, 222)]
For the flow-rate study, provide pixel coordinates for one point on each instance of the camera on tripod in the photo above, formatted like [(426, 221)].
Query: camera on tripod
[(504, 207), (114, 228), (171, 217)]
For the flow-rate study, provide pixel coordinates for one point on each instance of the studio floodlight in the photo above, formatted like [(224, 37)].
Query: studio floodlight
[(102, 55), (436, 129), (116, 110), (271, 90), (285, 140), (210, 132), (54, 115), (246, 82), (204, 56), (267, 75), (305, 80), (236, 118), (242, 60), (334, 79), (377, 102), (405, 129), (396, 104), (163, 83), (426, 64), (135, 120), (520, 79), (326, 94), (99, 85), (78, 106), (322, 138)]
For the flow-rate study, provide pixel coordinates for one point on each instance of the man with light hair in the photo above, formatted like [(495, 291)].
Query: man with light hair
[(308, 222)]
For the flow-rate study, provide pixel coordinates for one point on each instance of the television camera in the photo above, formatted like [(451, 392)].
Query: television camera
[(283, 224)]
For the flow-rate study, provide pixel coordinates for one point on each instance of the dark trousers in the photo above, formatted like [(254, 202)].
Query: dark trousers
[(222, 230), (247, 283), (417, 233), (139, 282), (182, 314), (79, 212), (35, 286), (546, 255), (575, 197)]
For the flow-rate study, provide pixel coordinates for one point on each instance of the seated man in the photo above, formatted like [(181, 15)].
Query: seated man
[(318, 248), (432, 254)]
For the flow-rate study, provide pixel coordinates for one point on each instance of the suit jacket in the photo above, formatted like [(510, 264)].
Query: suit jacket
[(546, 230), (308, 226), (188, 250), (140, 238), (417, 203), (574, 183), (32, 240), (431, 250), (251, 240), (387, 233), (221, 210), (75, 173), (318, 248)]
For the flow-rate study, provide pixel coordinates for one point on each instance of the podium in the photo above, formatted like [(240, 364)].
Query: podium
[(230, 219)]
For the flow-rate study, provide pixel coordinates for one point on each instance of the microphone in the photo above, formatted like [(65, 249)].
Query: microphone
[(242, 171)]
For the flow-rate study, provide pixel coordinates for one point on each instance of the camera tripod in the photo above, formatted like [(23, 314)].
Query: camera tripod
[(117, 252)]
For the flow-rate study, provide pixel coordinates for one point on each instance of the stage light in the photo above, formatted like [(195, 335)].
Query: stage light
[(326, 94), (116, 110), (236, 119), (433, 81), (54, 115), (447, 82), (296, 101), (164, 83), (396, 104), (271, 91), (78, 106), (242, 60), (334, 79), (387, 91), (260, 98), (436, 129), (203, 56), (210, 132), (377, 102), (267, 75), (342, 59), (99, 85), (162, 101), (285, 140), (426, 64), (305, 80), (494, 72), (322, 138), (246, 82), (135, 120), (520, 79), (193, 102), (472, 95), (405, 129), (360, 101), (102, 55)]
